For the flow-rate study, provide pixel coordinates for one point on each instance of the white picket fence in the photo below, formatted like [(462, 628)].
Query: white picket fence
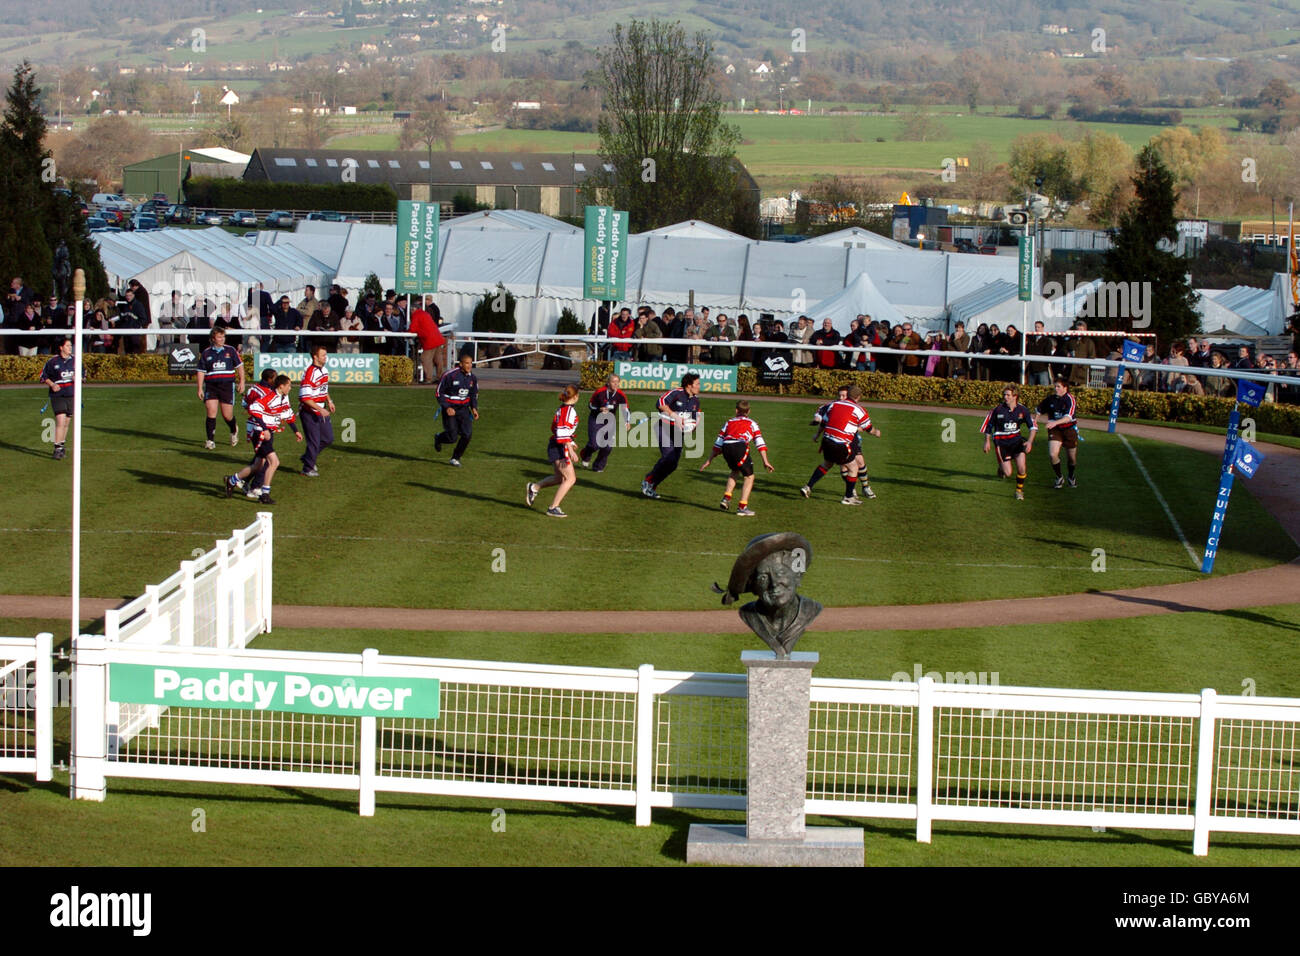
[(646, 739), (27, 705)]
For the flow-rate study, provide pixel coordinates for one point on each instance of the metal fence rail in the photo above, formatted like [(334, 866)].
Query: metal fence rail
[(916, 751), (27, 705)]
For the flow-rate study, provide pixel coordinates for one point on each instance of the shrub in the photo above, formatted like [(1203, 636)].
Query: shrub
[(569, 324), (876, 387), (393, 369), (495, 312)]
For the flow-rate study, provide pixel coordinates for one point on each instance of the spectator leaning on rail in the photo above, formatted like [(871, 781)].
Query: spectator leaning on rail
[(826, 335), (722, 331), (1040, 344), (905, 338), (286, 319), (959, 341), (1081, 347), (648, 327), (622, 328)]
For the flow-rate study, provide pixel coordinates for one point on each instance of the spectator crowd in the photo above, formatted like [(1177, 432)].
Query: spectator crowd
[(134, 324), (963, 353)]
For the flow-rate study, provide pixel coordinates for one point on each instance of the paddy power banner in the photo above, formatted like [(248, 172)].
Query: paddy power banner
[(604, 276), (417, 247), (661, 376)]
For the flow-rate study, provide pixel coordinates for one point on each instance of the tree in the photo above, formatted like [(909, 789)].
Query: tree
[(920, 126), (662, 131), (1136, 259), (32, 218), (1044, 156), (426, 127)]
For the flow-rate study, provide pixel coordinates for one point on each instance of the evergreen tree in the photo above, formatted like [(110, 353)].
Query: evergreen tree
[(33, 218), (1136, 257)]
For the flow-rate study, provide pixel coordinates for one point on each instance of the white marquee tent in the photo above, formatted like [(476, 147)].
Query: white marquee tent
[(539, 261)]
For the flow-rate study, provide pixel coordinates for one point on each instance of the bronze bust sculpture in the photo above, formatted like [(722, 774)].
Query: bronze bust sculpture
[(771, 567)]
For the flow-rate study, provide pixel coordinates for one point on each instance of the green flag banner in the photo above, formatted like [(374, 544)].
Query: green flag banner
[(417, 247), (1026, 268), (605, 263)]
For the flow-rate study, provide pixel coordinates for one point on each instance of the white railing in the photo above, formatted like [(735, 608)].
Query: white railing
[(27, 705), (644, 739), (221, 599)]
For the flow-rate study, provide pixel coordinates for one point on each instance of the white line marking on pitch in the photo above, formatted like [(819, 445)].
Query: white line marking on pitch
[(1084, 566), (1196, 561)]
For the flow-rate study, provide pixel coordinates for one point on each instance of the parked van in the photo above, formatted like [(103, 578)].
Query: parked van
[(110, 200)]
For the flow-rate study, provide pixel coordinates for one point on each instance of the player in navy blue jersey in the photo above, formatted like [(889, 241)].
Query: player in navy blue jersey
[(1062, 429), (679, 415), (458, 399), (1002, 428), (607, 406), (60, 376), (220, 367)]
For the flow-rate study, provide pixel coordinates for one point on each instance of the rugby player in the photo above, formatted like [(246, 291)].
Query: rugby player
[(1062, 429), (458, 398), (219, 366), (679, 414), (268, 411), (60, 376), (315, 408), (841, 422), (562, 452), (605, 410), (733, 444), (1002, 428)]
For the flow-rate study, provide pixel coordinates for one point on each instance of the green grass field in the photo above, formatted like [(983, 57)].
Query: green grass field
[(149, 822), (776, 149), (389, 523)]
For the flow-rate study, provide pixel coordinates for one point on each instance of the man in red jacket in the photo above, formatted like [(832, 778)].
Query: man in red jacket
[(424, 324), (622, 326)]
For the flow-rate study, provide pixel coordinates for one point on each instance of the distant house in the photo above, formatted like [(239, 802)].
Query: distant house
[(526, 105), (1055, 29), (762, 69)]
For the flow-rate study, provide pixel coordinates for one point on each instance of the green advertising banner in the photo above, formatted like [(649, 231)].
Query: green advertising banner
[(417, 247), (1026, 268), (222, 689), (343, 369), (660, 376), (604, 274)]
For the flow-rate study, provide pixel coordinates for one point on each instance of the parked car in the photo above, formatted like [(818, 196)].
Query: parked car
[(280, 220), (327, 215), (242, 217), (179, 214), (113, 215), (96, 223), (210, 219), (110, 200), (143, 223), (161, 198)]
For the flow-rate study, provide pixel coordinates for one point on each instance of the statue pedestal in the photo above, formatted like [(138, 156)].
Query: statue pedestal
[(775, 833)]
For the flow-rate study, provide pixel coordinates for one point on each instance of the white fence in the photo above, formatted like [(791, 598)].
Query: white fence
[(220, 600), (645, 739), (27, 705)]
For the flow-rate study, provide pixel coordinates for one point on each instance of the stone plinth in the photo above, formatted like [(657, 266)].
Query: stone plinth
[(775, 833)]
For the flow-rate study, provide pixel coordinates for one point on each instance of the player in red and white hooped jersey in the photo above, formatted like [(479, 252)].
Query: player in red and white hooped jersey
[(733, 444), (562, 451), (268, 411), (315, 408), (842, 422)]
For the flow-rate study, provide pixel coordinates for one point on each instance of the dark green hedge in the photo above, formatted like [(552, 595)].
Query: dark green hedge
[(1269, 418), (393, 369), (238, 194)]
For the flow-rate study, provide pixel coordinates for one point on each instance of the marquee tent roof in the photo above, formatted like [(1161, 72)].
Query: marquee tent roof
[(859, 297), (855, 237)]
